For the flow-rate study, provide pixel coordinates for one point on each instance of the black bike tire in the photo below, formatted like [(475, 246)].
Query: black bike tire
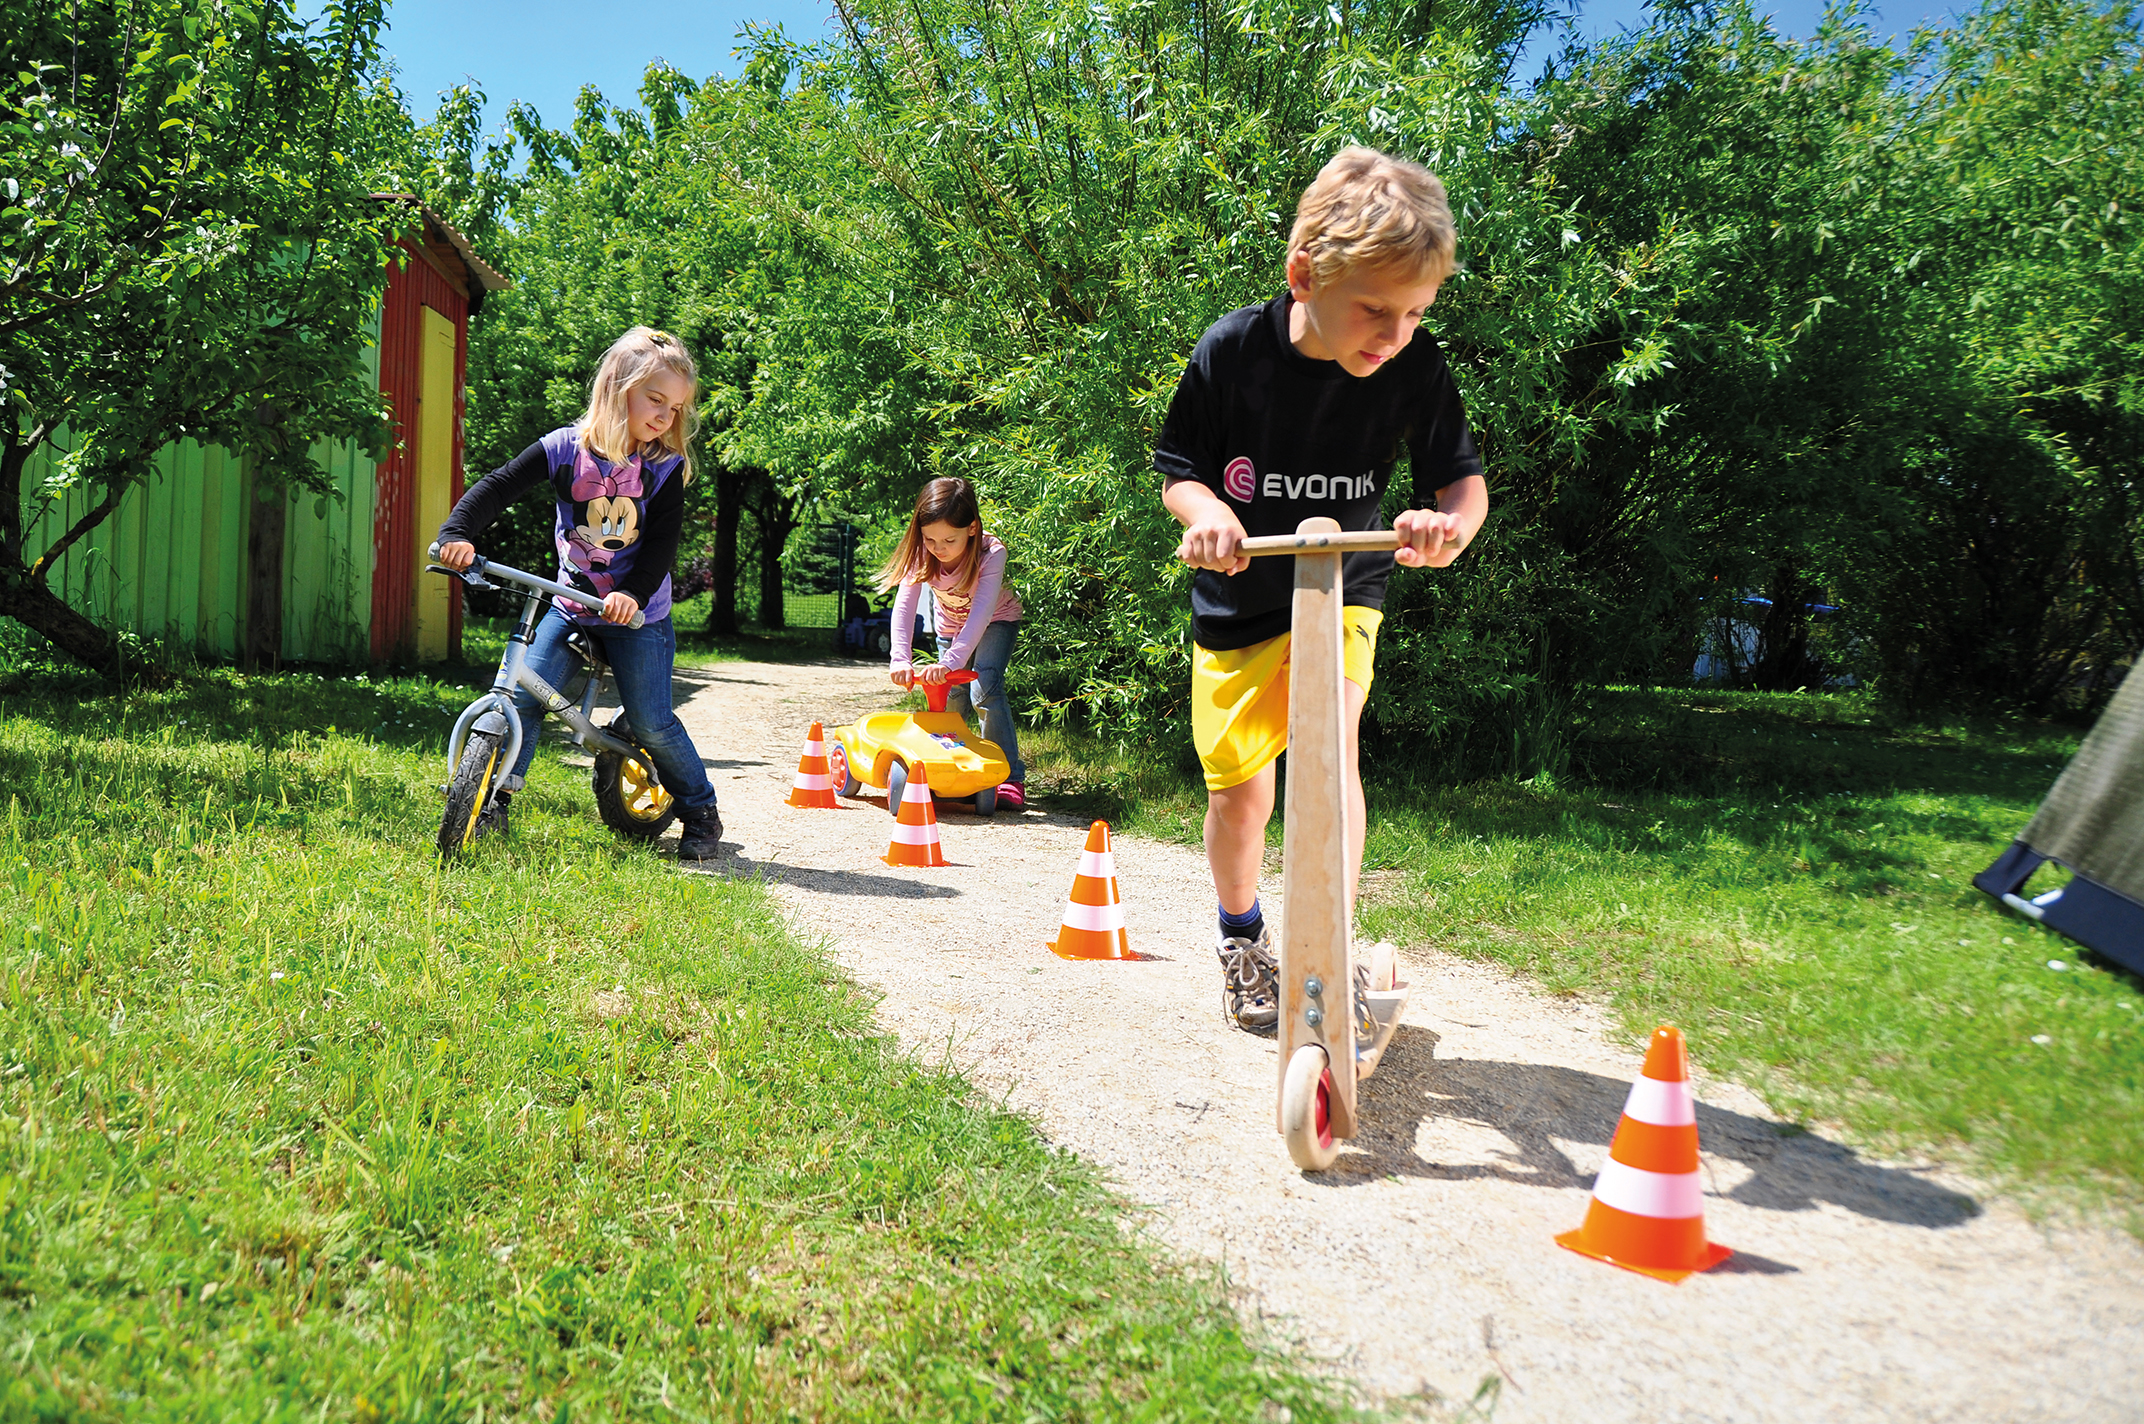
[(613, 807), (469, 791)]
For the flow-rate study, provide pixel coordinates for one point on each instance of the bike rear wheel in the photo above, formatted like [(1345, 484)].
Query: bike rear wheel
[(628, 796), (469, 792)]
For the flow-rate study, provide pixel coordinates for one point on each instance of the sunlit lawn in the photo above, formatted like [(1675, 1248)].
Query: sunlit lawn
[(296, 1126)]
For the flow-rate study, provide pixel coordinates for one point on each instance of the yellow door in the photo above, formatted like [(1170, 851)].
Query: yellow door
[(435, 478)]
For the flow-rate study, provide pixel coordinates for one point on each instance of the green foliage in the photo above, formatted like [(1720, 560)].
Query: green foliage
[(188, 249), (1703, 329), (1821, 320), (295, 1126)]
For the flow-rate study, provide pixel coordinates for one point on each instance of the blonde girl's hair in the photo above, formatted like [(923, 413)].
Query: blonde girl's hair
[(1367, 209), (946, 501), (632, 358)]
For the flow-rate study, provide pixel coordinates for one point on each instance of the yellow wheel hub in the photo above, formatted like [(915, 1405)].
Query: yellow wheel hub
[(643, 799)]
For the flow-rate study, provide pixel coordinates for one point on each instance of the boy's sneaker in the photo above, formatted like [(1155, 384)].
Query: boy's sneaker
[(1250, 982), (1012, 796), (702, 837), (491, 821)]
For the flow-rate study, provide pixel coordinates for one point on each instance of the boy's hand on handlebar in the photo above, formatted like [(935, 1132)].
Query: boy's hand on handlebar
[(1211, 543), (1427, 538), (458, 555), (904, 676), (617, 607), (932, 673)]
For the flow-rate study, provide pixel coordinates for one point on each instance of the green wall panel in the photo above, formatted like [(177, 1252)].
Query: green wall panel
[(169, 564)]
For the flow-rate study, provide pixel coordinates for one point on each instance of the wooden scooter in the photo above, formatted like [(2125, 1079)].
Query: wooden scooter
[(1321, 1059)]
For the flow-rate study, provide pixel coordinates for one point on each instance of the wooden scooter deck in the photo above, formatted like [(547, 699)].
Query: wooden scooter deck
[(1317, 981)]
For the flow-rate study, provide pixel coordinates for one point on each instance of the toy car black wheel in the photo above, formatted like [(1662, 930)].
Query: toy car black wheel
[(986, 801), (896, 786), (884, 640), (837, 767)]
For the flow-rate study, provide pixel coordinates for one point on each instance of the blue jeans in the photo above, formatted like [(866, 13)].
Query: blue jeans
[(992, 652), (640, 659)]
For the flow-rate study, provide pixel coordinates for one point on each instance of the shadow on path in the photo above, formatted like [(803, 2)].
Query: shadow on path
[(1533, 1105), (828, 882)]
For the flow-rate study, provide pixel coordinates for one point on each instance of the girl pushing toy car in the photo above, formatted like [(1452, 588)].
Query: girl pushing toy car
[(946, 548)]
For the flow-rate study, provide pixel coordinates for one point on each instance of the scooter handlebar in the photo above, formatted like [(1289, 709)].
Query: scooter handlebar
[(1352, 541)]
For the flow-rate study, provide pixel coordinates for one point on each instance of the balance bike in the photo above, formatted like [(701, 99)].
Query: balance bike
[(1322, 1055)]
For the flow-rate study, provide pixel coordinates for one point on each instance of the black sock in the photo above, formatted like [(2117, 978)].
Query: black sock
[(1248, 925)]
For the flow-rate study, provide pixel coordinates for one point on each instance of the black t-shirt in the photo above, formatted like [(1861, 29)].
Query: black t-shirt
[(1282, 438)]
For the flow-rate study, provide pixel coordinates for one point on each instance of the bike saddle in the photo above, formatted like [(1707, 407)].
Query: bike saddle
[(581, 643)]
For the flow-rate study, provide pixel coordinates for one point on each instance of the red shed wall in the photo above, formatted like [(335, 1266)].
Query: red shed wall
[(412, 284)]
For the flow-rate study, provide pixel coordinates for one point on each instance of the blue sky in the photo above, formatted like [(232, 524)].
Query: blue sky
[(544, 50)]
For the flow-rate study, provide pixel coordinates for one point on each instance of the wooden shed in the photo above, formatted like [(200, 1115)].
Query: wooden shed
[(193, 559)]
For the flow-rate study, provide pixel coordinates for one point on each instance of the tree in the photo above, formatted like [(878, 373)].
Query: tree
[(656, 215), (187, 251)]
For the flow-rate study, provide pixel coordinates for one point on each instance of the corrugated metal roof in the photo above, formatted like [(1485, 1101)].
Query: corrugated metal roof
[(490, 278)]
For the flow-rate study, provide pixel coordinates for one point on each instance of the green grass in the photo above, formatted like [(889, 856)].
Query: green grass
[(1788, 878), (293, 1125)]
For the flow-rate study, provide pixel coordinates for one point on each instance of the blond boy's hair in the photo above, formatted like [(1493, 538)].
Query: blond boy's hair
[(632, 358), (1368, 209)]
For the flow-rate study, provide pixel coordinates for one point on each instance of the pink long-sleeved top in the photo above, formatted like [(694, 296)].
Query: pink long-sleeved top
[(954, 608)]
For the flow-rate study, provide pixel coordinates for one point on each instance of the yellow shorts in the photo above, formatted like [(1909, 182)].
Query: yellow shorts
[(1239, 699)]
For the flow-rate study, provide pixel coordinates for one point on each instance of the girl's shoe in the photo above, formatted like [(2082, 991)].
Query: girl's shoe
[(702, 835), (1012, 796)]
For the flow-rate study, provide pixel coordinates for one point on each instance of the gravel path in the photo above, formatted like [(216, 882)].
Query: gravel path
[(1422, 1263)]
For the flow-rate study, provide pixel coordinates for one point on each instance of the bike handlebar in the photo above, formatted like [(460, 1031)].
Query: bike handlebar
[(479, 566)]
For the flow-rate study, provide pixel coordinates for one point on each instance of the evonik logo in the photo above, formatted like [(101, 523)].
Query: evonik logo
[(1240, 479), (1279, 486)]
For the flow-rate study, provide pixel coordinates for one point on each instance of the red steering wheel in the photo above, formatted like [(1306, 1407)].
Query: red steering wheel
[(936, 693)]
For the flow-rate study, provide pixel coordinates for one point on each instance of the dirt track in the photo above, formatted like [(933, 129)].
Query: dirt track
[(1423, 1264)]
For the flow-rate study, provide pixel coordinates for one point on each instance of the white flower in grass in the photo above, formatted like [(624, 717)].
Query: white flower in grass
[(2042, 1039), (2057, 965)]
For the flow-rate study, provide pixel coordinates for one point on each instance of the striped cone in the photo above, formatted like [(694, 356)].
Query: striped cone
[(1648, 1210), (1094, 913), (814, 786), (915, 830)]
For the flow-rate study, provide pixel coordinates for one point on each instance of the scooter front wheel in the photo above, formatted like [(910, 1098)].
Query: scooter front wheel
[(469, 792), (1306, 1121)]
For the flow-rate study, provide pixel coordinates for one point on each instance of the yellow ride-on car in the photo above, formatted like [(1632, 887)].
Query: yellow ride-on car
[(879, 749)]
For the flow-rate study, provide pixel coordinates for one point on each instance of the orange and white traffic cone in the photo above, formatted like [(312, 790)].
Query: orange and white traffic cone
[(1094, 912), (1648, 1208), (915, 831), (814, 786)]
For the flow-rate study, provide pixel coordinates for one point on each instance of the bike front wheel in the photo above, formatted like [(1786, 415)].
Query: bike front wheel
[(629, 798), (476, 776)]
